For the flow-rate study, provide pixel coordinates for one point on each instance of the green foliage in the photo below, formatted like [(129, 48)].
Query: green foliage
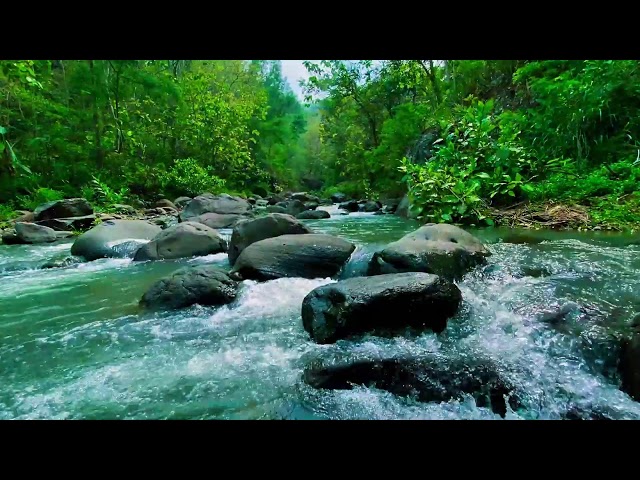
[(188, 178), (101, 193), (38, 197)]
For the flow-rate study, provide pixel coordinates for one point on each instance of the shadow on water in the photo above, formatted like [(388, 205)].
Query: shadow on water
[(548, 309)]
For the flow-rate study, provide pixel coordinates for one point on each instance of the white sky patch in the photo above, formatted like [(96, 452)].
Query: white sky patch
[(294, 71)]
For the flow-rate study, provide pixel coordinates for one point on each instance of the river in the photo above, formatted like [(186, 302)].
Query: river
[(75, 346)]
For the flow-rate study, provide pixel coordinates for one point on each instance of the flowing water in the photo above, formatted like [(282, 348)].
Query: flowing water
[(74, 345)]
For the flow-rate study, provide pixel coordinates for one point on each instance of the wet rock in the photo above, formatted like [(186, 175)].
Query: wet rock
[(208, 203), (261, 203), (305, 256), (442, 249), (32, 233), (558, 315), (201, 284), (338, 197), (103, 240), (371, 206), (164, 203), (180, 202), (429, 379), (61, 235), (391, 205), (10, 238), (187, 239), (273, 225), (629, 366), (218, 220), (367, 304), (404, 208), (535, 272), (70, 207), (303, 197), (72, 223), (63, 262), (311, 205), (313, 214), (275, 199), (350, 206)]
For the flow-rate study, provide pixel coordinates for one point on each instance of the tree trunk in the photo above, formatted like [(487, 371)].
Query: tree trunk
[(97, 123)]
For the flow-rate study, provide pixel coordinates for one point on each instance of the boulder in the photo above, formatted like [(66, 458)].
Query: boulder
[(384, 302), (402, 210), (350, 206), (126, 209), (201, 284), (306, 255), (629, 365), (276, 209), (273, 225), (261, 203), (60, 235), (338, 197), (186, 239), (114, 238), (302, 196), (70, 207), (32, 233), (28, 217), (310, 205), (207, 203), (164, 221), (391, 205), (276, 198), (71, 223), (432, 378), (371, 206), (164, 203), (218, 220), (180, 202), (313, 214), (10, 238), (442, 249)]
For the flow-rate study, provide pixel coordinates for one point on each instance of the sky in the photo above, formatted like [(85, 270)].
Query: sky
[(294, 71)]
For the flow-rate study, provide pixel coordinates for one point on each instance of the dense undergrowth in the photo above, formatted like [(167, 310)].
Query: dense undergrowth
[(469, 141)]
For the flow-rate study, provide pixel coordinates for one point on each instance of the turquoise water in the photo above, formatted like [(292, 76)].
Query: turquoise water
[(74, 344)]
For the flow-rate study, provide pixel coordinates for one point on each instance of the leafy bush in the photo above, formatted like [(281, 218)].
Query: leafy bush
[(187, 177), (101, 193), (37, 198)]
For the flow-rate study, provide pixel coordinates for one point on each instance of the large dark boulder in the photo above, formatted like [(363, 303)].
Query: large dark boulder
[(629, 365), (304, 197), (207, 203), (404, 208), (201, 284), (71, 223), (276, 209), (384, 302), (70, 207), (186, 239), (441, 249), (338, 197), (306, 255), (350, 206), (32, 233), (371, 206), (114, 238), (273, 225), (275, 199), (313, 215), (433, 378), (218, 220)]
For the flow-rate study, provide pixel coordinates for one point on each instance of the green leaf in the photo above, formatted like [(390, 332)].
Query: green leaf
[(446, 216), (512, 193), (489, 222), (129, 133), (2, 147), (3, 130), (483, 175)]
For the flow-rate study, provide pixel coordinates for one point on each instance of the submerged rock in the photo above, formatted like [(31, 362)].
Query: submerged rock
[(107, 239), (304, 255), (430, 379), (63, 262), (70, 207), (367, 304), (313, 215), (273, 225), (32, 233), (201, 284), (442, 249), (187, 239)]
